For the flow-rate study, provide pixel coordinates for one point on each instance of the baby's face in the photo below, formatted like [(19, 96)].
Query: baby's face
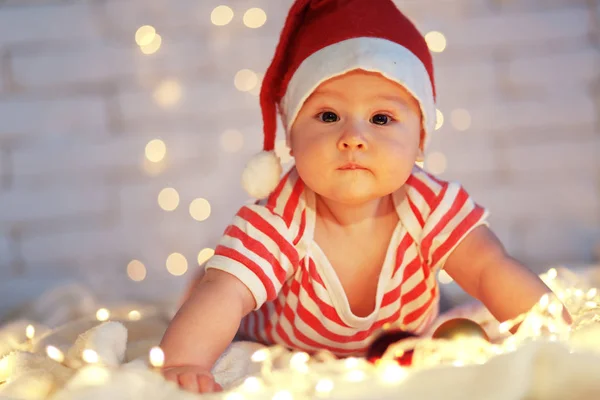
[(357, 138)]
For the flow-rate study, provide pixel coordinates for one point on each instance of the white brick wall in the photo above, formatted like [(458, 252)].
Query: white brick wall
[(77, 107)]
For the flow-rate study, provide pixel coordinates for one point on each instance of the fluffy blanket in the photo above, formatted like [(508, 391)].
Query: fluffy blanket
[(60, 347)]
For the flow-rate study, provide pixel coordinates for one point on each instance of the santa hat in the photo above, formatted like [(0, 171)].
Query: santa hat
[(323, 39)]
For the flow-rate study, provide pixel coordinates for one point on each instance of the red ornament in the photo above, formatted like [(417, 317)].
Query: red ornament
[(380, 345)]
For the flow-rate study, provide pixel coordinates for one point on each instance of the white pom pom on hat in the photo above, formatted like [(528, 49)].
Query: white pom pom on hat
[(321, 40)]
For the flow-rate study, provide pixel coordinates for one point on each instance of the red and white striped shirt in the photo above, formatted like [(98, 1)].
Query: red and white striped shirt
[(300, 302)]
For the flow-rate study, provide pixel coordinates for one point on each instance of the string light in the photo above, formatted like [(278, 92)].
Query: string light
[(168, 199), (90, 356), (436, 41), (200, 209), (255, 18), (221, 15), (177, 264), (102, 314), (30, 332), (55, 354)]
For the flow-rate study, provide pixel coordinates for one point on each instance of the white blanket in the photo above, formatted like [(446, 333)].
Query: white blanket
[(65, 319)]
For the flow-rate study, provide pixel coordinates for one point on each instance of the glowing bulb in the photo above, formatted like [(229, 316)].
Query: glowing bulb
[(283, 395), (260, 355), (157, 357), (355, 376), (552, 273), (245, 80), (591, 293), (544, 301), (102, 314), (136, 271), (30, 332), (436, 41), (177, 264), (168, 199), (200, 209), (153, 46), (324, 386), (392, 372), (255, 18), (504, 327), (298, 362), (55, 354), (252, 384), (351, 362), (204, 255), (221, 15), (134, 315), (145, 35), (439, 118), (89, 356)]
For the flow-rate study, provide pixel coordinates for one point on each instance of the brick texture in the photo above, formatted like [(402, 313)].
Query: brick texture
[(79, 102)]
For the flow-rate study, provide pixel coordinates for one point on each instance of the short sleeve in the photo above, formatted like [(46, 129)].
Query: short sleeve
[(258, 249), (453, 216)]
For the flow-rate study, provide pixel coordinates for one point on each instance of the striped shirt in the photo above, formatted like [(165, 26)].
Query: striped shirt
[(300, 302)]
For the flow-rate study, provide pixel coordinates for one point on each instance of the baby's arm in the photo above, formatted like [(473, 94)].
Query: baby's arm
[(482, 267), (203, 327)]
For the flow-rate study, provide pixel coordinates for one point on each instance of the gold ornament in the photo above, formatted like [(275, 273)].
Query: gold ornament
[(459, 328)]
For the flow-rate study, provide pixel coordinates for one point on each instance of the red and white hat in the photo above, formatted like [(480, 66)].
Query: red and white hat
[(323, 39)]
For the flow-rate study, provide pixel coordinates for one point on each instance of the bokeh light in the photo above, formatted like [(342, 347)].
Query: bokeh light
[(168, 199), (232, 141), (439, 119), (255, 18), (436, 163), (200, 209), (155, 150), (168, 93), (145, 35), (436, 41), (153, 46), (177, 264), (245, 80), (102, 314), (136, 271), (460, 119), (221, 15), (204, 255)]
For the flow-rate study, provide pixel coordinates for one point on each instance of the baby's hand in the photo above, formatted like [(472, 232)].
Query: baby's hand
[(192, 378)]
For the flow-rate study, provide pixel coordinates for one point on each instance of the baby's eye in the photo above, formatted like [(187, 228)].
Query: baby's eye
[(328, 116), (381, 119)]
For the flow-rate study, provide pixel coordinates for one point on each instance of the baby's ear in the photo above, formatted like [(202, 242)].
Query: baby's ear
[(421, 153)]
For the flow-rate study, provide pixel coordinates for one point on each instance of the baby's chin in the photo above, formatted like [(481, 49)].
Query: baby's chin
[(353, 194)]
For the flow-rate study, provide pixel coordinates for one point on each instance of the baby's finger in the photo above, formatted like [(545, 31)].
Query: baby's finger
[(171, 376), (188, 381), (206, 384)]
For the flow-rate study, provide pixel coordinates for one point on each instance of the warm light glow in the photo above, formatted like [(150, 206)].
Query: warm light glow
[(157, 357), (134, 315), (153, 46), (4, 364), (30, 332), (168, 199), (436, 41), (204, 255), (552, 273), (200, 209), (89, 356), (436, 163), (260, 355), (102, 314), (283, 395), (324, 386), (156, 150), (177, 264), (232, 141), (154, 168), (444, 278), (460, 119), (355, 376), (255, 18), (221, 15), (136, 271), (55, 354), (298, 362), (245, 80), (234, 396), (252, 384), (439, 119), (351, 362), (168, 93), (392, 372), (145, 35)]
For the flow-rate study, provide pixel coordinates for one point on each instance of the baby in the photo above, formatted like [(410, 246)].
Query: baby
[(353, 236)]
